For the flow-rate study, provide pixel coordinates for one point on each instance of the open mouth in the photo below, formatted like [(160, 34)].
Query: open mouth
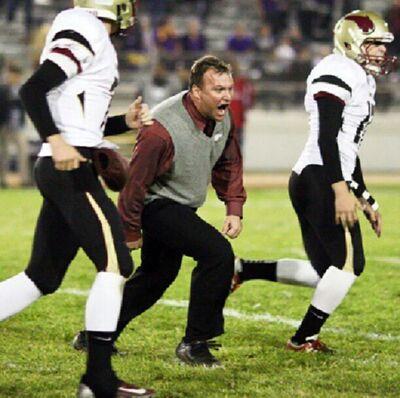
[(222, 109)]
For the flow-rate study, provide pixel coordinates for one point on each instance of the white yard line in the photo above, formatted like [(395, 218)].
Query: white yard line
[(266, 317), (387, 260)]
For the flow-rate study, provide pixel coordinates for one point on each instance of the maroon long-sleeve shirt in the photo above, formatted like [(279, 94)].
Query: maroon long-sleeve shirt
[(153, 156)]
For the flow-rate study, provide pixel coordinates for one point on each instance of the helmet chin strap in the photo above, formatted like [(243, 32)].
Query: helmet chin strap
[(374, 70), (376, 65)]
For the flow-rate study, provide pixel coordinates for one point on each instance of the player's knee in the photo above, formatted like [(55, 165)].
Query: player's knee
[(320, 268), (356, 264), (359, 265), (46, 285)]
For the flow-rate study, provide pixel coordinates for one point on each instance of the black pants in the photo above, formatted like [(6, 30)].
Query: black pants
[(325, 242), (171, 230), (76, 212)]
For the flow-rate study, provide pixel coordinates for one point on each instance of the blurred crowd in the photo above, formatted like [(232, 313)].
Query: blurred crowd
[(285, 40), (289, 37), (283, 43), (14, 143)]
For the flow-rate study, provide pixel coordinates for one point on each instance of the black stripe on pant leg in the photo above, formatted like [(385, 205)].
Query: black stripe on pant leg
[(358, 250)]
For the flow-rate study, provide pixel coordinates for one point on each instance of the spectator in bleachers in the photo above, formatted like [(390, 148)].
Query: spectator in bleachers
[(139, 46), (315, 16), (265, 40), (156, 8), (284, 53), (241, 41), (13, 122), (202, 8), (276, 13), (301, 66), (135, 41), (167, 42), (296, 37), (242, 101), (305, 16), (160, 86), (12, 6), (193, 41)]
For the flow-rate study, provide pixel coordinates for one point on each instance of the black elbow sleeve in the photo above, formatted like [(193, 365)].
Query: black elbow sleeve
[(330, 122), (116, 125), (34, 97)]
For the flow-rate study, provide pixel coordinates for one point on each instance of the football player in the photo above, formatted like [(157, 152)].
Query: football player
[(327, 186), (67, 99)]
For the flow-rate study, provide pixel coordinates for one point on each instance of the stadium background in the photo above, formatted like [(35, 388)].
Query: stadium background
[(272, 44), (35, 357)]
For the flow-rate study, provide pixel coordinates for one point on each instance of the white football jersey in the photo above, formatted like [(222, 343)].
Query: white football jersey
[(347, 80), (79, 44)]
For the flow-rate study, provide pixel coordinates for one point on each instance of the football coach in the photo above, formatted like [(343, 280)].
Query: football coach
[(191, 143)]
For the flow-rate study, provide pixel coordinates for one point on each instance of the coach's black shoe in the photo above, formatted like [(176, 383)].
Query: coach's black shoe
[(79, 342), (197, 353), (125, 390)]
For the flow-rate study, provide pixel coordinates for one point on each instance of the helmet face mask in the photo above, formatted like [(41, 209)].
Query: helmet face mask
[(120, 12), (377, 64), (354, 36)]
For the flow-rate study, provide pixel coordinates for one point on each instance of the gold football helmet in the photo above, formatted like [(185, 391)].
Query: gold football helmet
[(353, 33), (121, 12)]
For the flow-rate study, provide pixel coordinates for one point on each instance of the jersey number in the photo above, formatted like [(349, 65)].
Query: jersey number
[(114, 85), (362, 128)]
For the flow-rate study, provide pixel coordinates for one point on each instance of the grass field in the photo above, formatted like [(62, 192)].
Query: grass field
[(37, 361)]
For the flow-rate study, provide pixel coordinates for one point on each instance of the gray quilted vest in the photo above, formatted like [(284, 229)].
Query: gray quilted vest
[(195, 154)]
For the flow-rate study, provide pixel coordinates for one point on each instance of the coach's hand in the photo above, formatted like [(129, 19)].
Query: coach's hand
[(345, 205), (373, 216), (137, 244), (138, 115), (65, 156), (232, 226)]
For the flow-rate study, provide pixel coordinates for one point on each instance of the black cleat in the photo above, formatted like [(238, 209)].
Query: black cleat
[(197, 353), (79, 342), (125, 390)]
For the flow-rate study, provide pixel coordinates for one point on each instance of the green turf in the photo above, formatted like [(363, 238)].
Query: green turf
[(37, 361)]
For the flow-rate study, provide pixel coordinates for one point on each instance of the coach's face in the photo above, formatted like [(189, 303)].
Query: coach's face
[(214, 96)]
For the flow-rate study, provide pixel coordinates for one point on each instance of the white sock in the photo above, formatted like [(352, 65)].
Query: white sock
[(296, 272), (17, 293), (332, 289), (104, 303), (238, 267)]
